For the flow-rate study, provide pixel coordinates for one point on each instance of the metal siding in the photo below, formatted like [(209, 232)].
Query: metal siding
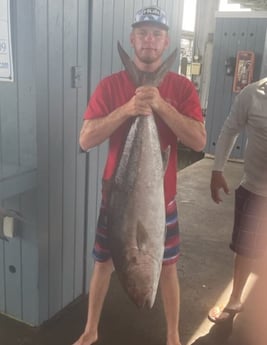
[(81, 102), (236, 39), (107, 37), (95, 35), (13, 266), (214, 121), (28, 158), (263, 71), (118, 32), (259, 43), (70, 150), (18, 155), (29, 259), (55, 86), (42, 99), (9, 125), (2, 277), (26, 84), (62, 31), (231, 35), (174, 10), (42, 270)]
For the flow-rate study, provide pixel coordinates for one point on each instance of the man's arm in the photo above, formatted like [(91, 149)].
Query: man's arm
[(96, 131), (230, 131), (191, 132)]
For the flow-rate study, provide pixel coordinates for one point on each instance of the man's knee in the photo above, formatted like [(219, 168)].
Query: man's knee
[(104, 268), (168, 271)]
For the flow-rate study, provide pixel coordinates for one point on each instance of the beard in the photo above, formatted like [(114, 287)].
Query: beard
[(148, 57)]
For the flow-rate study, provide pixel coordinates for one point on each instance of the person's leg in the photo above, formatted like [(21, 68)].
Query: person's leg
[(170, 292), (97, 293), (246, 243), (169, 283), (242, 270)]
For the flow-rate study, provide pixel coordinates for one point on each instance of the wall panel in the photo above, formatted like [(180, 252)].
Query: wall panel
[(62, 166), (232, 34), (42, 111), (18, 160)]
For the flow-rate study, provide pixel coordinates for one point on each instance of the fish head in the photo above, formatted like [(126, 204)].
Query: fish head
[(141, 277)]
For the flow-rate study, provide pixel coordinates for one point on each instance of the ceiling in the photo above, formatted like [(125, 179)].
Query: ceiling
[(256, 5)]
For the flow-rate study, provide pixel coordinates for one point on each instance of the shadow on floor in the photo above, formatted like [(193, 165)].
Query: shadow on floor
[(218, 334)]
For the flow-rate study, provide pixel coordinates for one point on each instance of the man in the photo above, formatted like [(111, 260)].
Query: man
[(249, 112), (111, 110)]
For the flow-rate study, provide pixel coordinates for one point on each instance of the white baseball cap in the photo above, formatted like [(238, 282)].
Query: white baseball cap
[(153, 15)]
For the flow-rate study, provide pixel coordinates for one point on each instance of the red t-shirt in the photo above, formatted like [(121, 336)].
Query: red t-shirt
[(117, 89)]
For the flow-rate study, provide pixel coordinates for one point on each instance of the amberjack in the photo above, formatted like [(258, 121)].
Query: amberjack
[(136, 206)]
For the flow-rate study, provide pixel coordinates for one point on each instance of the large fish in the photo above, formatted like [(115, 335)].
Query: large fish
[(136, 215)]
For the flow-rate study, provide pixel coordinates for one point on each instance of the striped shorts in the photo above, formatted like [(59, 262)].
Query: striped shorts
[(249, 237), (101, 252)]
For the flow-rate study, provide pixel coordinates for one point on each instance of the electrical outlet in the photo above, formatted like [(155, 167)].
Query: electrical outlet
[(9, 227)]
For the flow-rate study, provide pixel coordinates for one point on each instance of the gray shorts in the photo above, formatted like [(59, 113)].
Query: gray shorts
[(249, 237)]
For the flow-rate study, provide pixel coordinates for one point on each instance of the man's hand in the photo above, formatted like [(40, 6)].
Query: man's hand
[(149, 95), (217, 182), (137, 105)]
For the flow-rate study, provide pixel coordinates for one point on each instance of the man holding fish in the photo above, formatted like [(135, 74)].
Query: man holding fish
[(143, 111)]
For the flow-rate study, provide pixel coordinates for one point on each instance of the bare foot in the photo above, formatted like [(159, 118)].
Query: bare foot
[(86, 339)]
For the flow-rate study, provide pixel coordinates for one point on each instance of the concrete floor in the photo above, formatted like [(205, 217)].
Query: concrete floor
[(205, 270)]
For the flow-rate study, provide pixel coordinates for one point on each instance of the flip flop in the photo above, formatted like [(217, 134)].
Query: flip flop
[(216, 312)]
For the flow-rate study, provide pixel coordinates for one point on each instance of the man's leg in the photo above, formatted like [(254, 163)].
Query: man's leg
[(97, 293), (242, 270), (170, 292)]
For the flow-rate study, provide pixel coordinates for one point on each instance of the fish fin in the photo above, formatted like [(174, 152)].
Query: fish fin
[(165, 158), (141, 236), (146, 78), (129, 65), (160, 73)]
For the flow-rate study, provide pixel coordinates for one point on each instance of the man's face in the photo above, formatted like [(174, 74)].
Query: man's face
[(149, 42)]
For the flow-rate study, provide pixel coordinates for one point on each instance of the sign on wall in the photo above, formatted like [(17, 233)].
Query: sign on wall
[(244, 70), (6, 63)]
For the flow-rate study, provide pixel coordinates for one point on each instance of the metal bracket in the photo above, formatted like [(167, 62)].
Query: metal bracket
[(76, 77)]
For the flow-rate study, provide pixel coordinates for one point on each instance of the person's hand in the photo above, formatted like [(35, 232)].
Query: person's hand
[(150, 95), (218, 182), (137, 105)]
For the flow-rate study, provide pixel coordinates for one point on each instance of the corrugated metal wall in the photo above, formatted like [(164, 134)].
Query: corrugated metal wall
[(42, 270), (61, 44), (231, 35), (18, 162)]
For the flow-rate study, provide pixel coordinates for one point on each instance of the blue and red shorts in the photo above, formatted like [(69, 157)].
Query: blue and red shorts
[(101, 252)]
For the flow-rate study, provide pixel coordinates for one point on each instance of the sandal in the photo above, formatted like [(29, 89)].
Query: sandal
[(216, 312)]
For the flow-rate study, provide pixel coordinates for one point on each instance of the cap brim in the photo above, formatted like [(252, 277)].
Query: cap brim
[(162, 26)]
